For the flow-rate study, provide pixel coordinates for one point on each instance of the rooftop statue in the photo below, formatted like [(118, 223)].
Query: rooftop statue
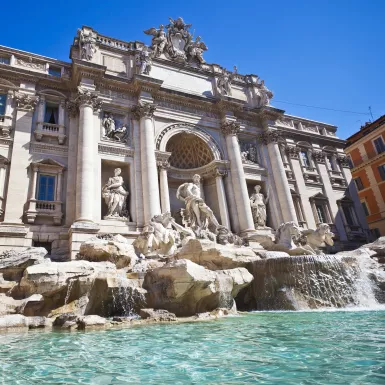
[(224, 83), (177, 43), (143, 61), (87, 44)]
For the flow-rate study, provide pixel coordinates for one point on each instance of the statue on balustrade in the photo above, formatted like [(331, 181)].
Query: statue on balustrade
[(87, 44), (197, 215), (159, 39), (258, 204), (143, 61), (115, 195), (265, 94), (224, 83)]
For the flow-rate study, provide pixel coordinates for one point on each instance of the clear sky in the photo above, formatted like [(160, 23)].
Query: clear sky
[(327, 53)]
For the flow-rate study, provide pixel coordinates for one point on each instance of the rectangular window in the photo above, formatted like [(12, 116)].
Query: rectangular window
[(379, 144), (51, 114), (381, 170), (365, 208), (320, 213), (54, 71), (46, 245), (304, 159), (351, 164), (348, 215), (359, 184), (3, 101), (5, 60), (46, 191)]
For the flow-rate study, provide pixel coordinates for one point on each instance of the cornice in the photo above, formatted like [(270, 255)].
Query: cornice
[(313, 138), (115, 150)]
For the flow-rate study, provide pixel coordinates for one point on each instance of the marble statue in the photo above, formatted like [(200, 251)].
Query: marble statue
[(87, 44), (162, 236), (195, 50), (108, 124), (199, 217), (159, 39), (314, 239), (249, 153), (265, 94), (115, 196), (224, 83), (177, 43), (144, 61), (286, 235), (258, 207)]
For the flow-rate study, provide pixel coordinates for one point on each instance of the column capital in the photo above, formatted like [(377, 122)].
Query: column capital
[(269, 136), (26, 102), (230, 127), (319, 156), (84, 97), (218, 173), (292, 151), (343, 159), (144, 110), (163, 164)]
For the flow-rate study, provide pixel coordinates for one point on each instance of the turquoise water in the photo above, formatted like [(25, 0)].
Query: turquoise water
[(259, 348)]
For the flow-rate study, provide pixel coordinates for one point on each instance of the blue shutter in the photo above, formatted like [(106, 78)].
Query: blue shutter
[(46, 188), (3, 101)]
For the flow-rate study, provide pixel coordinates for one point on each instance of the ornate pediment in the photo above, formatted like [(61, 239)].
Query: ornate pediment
[(176, 42), (48, 163)]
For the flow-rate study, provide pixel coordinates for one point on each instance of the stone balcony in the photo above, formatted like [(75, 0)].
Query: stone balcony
[(5, 125), (50, 130), (44, 209)]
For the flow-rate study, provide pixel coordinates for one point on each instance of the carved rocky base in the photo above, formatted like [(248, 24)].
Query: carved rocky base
[(263, 236)]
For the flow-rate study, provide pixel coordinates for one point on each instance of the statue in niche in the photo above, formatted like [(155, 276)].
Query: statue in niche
[(197, 215), (87, 44), (159, 39), (224, 83), (258, 207), (108, 124), (248, 153), (144, 61), (115, 196)]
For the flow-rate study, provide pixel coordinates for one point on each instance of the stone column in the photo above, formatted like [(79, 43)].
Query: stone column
[(138, 176), (17, 192), (223, 210), (270, 139), (144, 112), (163, 184), (41, 110), (88, 103), (59, 186), (230, 129), (2, 179), (34, 183)]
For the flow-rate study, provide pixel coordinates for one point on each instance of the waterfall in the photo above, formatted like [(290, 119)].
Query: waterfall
[(311, 282)]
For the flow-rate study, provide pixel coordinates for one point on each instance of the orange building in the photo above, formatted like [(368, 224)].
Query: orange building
[(366, 153)]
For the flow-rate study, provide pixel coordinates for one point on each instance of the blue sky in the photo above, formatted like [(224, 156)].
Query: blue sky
[(320, 53)]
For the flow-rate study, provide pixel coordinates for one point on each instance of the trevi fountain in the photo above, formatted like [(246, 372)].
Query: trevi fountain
[(192, 276)]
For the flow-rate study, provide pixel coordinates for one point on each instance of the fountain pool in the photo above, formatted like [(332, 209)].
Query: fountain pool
[(314, 347)]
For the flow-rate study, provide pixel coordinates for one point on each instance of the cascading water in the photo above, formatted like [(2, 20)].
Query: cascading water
[(310, 282)]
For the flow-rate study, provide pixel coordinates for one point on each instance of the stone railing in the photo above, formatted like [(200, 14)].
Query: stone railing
[(5, 124), (51, 130), (50, 210), (113, 43)]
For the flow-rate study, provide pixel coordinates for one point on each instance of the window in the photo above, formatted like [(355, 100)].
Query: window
[(46, 190), (51, 114), (304, 158), (54, 71), (379, 144), (365, 208), (3, 101), (360, 186), (320, 213), (348, 215), (381, 170), (350, 162), (5, 60), (331, 163)]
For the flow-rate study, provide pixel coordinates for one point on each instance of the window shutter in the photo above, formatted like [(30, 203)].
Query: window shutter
[(381, 171)]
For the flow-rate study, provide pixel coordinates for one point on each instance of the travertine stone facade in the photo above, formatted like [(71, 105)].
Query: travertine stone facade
[(159, 114)]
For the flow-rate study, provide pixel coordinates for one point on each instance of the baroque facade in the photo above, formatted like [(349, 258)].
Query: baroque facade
[(366, 153), (102, 143)]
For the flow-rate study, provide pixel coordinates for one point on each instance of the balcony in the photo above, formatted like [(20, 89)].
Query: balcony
[(50, 130), (44, 209), (5, 125)]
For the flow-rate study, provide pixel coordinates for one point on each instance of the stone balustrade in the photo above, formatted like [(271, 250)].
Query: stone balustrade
[(50, 130), (47, 209)]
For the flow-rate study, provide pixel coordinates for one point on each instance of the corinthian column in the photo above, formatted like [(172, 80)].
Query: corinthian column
[(144, 112), (87, 102), (230, 129), (270, 139)]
